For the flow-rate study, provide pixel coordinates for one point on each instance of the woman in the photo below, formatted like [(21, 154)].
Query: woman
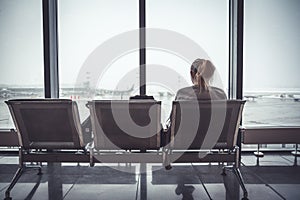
[(201, 72)]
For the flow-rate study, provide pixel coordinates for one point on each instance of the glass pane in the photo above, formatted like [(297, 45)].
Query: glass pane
[(203, 23), (21, 53), (271, 63), (92, 63)]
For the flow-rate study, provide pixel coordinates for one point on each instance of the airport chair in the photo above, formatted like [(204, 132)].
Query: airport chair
[(206, 131), (48, 130), (125, 131)]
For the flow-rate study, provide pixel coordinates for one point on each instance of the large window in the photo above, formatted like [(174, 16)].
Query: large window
[(21, 53), (271, 62), (195, 22), (86, 27)]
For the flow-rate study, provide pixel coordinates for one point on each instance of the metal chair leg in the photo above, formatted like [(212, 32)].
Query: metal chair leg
[(238, 174), (40, 171), (226, 168), (13, 182), (235, 169), (39, 167), (18, 174)]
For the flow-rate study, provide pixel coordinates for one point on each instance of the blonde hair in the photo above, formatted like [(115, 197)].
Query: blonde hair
[(203, 70)]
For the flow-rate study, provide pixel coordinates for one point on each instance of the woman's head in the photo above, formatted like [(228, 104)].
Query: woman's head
[(201, 72)]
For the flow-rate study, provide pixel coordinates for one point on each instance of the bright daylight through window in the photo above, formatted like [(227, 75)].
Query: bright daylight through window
[(21, 57)]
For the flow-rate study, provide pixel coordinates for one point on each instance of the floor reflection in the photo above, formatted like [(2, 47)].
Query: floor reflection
[(34, 189), (190, 180), (275, 178), (185, 191)]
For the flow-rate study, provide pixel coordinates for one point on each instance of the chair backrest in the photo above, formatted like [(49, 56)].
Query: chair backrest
[(123, 124), (47, 123), (205, 124)]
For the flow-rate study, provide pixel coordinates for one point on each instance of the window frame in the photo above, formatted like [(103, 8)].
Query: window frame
[(236, 31), (236, 48), (236, 13)]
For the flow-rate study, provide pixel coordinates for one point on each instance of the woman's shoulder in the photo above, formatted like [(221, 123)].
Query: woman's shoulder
[(217, 93), (186, 89), (186, 93), (193, 93)]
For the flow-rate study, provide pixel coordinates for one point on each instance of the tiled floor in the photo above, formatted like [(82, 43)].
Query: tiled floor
[(276, 177)]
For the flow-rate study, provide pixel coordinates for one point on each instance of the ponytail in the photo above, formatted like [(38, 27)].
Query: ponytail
[(200, 69), (203, 86)]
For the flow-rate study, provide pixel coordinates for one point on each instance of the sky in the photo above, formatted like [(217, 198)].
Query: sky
[(271, 39), (21, 50), (272, 44)]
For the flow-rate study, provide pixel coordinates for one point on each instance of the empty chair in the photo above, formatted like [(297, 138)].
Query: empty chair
[(45, 128), (118, 125), (206, 131)]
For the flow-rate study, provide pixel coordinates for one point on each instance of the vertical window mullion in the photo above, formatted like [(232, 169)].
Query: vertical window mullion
[(50, 48), (236, 22), (142, 25)]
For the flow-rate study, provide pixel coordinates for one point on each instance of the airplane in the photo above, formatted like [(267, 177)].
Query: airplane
[(250, 97), (88, 92), (20, 92), (13, 92)]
